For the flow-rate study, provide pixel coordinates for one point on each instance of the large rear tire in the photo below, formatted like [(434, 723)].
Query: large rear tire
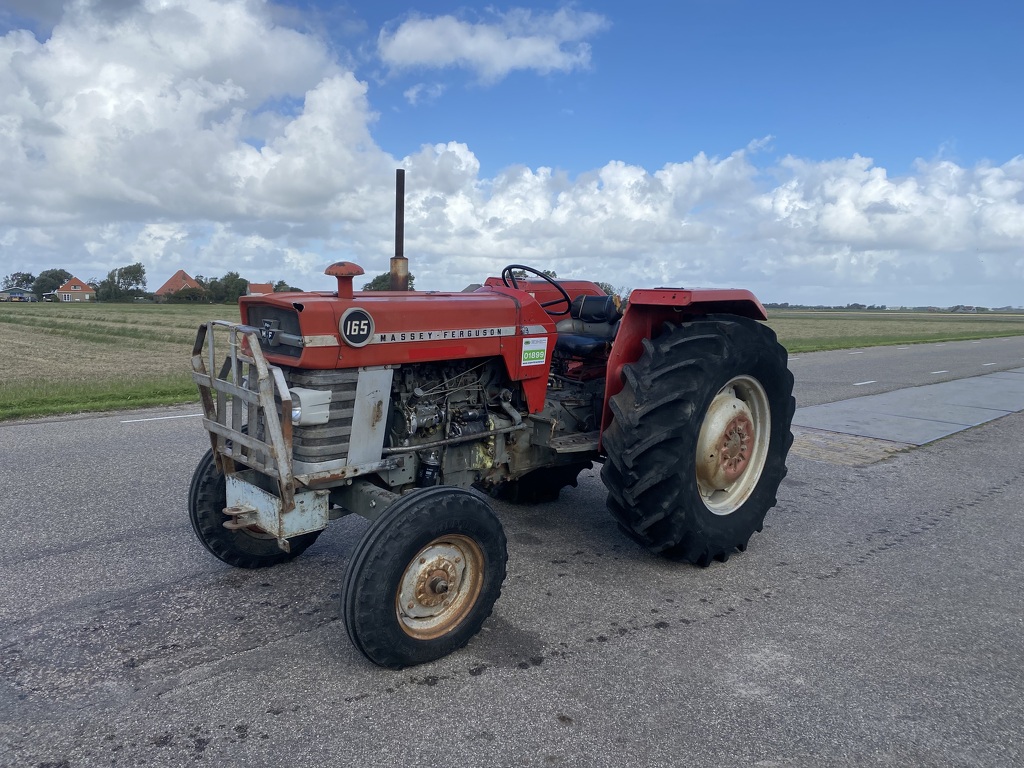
[(697, 446), (243, 548), (424, 577)]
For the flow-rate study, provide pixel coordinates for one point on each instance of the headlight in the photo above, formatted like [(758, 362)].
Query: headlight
[(310, 406)]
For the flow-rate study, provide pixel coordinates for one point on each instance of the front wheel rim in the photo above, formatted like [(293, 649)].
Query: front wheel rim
[(439, 587), (733, 444)]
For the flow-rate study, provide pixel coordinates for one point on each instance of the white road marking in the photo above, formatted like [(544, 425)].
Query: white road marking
[(975, 342), (902, 347), (940, 372), (858, 352), (163, 418), (984, 364), (862, 383)]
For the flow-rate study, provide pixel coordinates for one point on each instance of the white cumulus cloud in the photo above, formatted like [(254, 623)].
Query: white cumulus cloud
[(423, 93), (516, 40)]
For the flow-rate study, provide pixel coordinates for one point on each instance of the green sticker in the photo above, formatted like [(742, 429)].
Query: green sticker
[(535, 350)]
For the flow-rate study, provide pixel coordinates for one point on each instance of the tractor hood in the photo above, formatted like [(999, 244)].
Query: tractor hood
[(329, 331)]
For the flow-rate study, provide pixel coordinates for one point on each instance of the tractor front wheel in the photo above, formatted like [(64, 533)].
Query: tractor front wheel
[(424, 577), (243, 548), (698, 442)]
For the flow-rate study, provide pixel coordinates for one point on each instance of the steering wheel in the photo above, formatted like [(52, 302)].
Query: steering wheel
[(508, 277)]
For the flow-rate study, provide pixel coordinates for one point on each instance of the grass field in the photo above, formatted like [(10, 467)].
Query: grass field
[(67, 358), (810, 331), (62, 358)]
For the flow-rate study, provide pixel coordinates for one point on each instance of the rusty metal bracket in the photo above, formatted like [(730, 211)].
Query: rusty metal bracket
[(240, 516), (245, 392)]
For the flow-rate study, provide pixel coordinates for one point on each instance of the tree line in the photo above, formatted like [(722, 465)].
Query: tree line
[(128, 284), (122, 284), (47, 281)]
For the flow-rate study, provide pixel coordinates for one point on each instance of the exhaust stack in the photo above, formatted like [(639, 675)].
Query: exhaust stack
[(399, 264)]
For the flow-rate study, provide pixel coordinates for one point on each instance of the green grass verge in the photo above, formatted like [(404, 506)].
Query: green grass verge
[(818, 331), (796, 346), (49, 398)]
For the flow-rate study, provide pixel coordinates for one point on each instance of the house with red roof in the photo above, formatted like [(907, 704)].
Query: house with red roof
[(76, 290), (178, 281), (258, 289)]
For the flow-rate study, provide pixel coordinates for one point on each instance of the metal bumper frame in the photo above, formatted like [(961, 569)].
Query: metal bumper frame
[(247, 390)]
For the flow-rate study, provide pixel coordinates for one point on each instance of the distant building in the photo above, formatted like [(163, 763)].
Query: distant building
[(179, 281), (17, 294), (75, 290), (258, 289)]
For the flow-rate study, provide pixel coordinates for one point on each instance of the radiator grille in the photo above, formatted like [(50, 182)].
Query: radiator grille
[(330, 441)]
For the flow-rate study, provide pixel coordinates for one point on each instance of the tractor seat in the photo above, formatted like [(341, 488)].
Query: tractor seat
[(593, 322)]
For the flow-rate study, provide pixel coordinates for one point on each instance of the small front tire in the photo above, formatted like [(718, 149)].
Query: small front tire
[(424, 577)]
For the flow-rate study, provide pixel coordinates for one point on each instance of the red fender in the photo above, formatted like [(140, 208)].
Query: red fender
[(649, 308)]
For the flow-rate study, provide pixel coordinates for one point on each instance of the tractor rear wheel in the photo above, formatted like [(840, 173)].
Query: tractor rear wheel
[(424, 577), (697, 446), (243, 548)]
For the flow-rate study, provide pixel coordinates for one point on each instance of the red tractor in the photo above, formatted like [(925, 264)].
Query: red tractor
[(411, 409)]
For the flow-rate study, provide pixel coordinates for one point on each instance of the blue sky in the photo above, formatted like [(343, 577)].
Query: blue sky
[(894, 81), (813, 152)]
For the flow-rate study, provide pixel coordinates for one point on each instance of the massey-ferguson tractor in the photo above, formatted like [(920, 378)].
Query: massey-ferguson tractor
[(412, 409)]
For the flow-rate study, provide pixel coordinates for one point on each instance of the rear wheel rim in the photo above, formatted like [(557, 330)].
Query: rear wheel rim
[(733, 445), (439, 587)]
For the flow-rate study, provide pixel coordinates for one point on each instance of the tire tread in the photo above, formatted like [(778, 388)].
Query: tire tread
[(654, 431)]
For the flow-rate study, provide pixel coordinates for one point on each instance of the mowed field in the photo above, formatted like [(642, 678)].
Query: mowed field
[(66, 358), (813, 331)]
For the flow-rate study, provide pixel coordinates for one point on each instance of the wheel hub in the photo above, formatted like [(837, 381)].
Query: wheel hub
[(439, 586), (434, 582), (732, 445), (735, 447)]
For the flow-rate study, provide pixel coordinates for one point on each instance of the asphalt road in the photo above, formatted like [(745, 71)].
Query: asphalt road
[(877, 620), (825, 377)]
